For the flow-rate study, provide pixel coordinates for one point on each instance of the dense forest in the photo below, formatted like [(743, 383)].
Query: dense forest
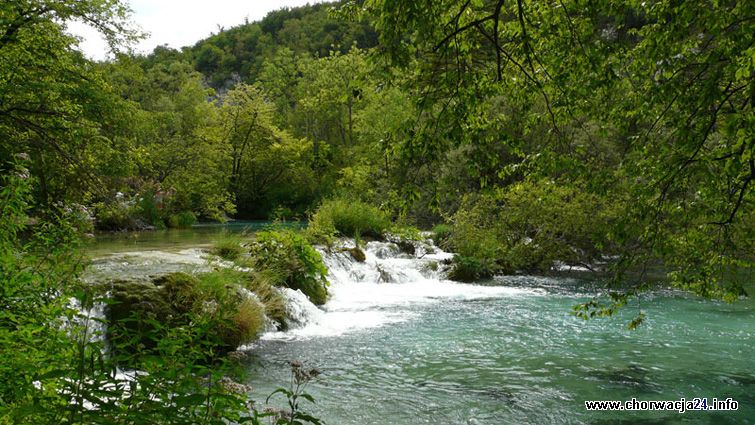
[(627, 129), (615, 136)]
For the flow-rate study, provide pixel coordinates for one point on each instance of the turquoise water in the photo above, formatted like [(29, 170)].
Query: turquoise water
[(523, 359), (198, 236), (397, 344)]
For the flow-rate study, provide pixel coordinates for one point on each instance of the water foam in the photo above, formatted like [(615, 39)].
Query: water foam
[(384, 289)]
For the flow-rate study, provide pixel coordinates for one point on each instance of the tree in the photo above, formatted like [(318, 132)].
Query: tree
[(264, 160), (50, 97), (650, 102), (331, 91)]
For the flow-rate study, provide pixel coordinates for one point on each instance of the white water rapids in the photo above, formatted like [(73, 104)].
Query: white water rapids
[(363, 295), (399, 343), (366, 294)]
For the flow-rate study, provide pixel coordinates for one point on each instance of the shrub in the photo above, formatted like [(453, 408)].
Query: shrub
[(182, 220), (288, 254), (281, 213), (146, 208), (348, 218), (228, 247), (115, 216), (441, 234), (263, 284), (470, 269), (528, 227)]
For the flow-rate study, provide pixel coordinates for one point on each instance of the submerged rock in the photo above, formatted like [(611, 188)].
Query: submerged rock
[(405, 245), (357, 254)]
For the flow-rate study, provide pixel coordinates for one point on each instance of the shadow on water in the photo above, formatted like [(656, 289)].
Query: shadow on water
[(633, 377)]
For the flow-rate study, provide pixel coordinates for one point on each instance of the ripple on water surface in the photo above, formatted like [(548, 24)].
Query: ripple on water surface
[(520, 357), (398, 345)]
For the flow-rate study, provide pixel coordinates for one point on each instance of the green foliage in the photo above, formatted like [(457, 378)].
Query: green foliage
[(36, 264), (528, 227), (347, 218), (300, 377), (53, 99), (441, 235), (182, 220), (243, 51), (228, 246), (647, 103), (289, 255), (140, 310), (268, 168)]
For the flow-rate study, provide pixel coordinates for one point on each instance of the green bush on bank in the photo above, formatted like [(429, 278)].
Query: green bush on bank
[(470, 269), (528, 227), (115, 216), (139, 214), (349, 218), (182, 220), (441, 234), (263, 284), (290, 257), (228, 246)]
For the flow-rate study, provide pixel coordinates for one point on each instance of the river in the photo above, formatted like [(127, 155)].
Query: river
[(398, 344)]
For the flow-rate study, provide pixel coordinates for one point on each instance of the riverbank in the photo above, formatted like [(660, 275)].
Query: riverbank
[(400, 341)]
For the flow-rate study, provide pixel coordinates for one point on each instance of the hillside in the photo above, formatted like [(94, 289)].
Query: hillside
[(238, 53)]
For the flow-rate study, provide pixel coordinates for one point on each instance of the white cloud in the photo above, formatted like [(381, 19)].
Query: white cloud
[(179, 23)]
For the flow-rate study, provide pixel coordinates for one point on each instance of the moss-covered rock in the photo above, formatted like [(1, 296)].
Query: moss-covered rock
[(263, 283), (406, 238), (357, 254), (407, 247), (246, 322), (180, 290), (141, 313), (132, 308)]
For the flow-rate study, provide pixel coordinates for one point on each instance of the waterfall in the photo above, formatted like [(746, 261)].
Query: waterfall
[(394, 278), (90, 321), (379, 291)]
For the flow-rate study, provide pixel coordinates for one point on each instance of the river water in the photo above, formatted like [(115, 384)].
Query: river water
[(399, 344)]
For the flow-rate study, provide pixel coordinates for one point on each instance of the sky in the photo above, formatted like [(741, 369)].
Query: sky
[(179, 23)]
